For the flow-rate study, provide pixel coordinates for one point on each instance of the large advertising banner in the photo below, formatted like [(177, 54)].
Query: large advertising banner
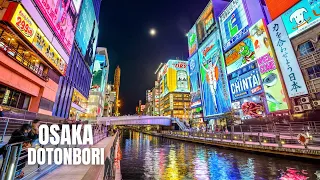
[(214, 84), (192, 40), (22, 21), (290, 69), (245, 82), (301, 17), (194, 81), (61, 16), (87, 31), (205, 23), (240, 55), (233, 23), (99, 73), (270, 75)]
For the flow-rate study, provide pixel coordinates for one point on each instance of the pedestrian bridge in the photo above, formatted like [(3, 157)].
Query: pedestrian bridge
[(136, 120)]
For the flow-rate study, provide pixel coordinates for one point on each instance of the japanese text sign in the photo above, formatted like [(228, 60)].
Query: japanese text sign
[(287, 60)]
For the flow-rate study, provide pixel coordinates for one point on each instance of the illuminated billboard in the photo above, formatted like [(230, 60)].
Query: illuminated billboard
[(266, 60), (192, 40), (87, 31), (301, 17), (233, 23), (61, 16), (205, 23), (276, 7), (22, 21), (214, 84), (194, 81), (245, 82), (175, 77), (99, 73), (249, 107), (290, 69), (240, 55)]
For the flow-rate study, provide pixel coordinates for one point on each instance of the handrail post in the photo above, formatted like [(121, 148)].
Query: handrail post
[(5, 163), (12, 163), (243, 138), (259, 138), (5, 130)]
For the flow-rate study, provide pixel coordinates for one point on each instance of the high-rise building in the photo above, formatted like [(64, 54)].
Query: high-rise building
[(116, 84), (175, 89), (109, 101)]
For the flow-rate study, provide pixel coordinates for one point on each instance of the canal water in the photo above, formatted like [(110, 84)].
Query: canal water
[(150, 157)]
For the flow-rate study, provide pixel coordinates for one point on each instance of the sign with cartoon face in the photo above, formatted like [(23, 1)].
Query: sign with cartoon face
[(301, 17), (240, 55)]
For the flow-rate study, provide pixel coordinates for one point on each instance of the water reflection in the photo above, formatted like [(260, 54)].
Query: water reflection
[(148, 157)]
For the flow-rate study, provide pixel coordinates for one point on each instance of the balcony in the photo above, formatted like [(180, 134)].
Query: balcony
[(311, 59), (17, 50)]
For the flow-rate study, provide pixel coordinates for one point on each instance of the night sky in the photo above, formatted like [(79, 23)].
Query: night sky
[(124, 30)]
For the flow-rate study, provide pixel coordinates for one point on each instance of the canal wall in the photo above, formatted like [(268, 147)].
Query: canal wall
[(269, 148)]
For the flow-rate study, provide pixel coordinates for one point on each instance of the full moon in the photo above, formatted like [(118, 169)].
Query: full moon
[(152, 32)]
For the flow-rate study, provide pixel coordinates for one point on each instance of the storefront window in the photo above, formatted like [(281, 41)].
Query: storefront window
[(13, 98)]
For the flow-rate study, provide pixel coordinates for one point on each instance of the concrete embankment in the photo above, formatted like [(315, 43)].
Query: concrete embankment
[(292, 150)]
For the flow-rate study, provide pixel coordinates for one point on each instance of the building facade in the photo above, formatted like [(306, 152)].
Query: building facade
[(29, 75), (174, 89), (82, 54)]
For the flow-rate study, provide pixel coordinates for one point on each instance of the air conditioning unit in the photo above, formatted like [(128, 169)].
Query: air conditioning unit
[(307, 107), (305, 100), (316, 103), (298, 109)]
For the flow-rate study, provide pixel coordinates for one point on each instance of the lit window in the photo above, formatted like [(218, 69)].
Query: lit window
[(306, 48), (314, 71)]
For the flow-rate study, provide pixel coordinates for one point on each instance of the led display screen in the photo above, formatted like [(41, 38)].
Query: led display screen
[(233, 23), (205, 23), (192, 40), (99, 73), (290, 69), (301, 17), (194, 81), (214, 85), (266, 60), (61, 16), (240, 55), (87, 31)]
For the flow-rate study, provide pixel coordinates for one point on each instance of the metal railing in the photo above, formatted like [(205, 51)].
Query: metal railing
[(13, 158), (278, 134), (109, 164)]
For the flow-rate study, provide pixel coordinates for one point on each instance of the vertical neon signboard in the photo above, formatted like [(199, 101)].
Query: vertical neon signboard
[(215, 91), (290, 69)]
